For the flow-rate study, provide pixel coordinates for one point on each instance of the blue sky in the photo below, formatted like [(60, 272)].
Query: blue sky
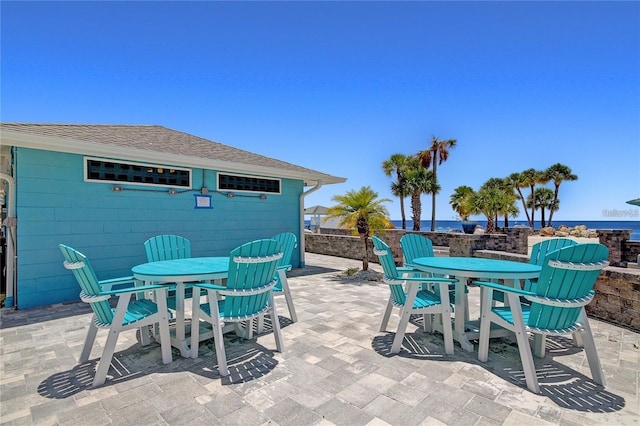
[(341, 86)]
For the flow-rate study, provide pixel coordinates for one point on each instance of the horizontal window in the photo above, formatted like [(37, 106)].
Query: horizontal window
[(97, 169), (227, 182)]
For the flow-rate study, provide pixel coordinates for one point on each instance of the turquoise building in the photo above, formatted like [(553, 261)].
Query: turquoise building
[(106, 189)]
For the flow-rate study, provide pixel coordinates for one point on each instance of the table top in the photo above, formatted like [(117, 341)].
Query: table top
[(475, 267), (180, 270)]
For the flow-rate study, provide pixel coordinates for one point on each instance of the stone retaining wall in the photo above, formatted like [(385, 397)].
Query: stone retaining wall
[(617, 297), (513, 240)]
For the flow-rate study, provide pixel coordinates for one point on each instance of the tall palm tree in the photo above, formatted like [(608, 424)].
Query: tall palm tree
[(558, 173), (362, 210), (518, 182), (420, 181), (544, 201), (436, 154), (532, 177), (399, 188)]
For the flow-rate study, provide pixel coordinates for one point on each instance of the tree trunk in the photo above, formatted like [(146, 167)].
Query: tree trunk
[(491, 229), (553, 205), (416, 208), (365, 256), (433, 195), (404, 219)]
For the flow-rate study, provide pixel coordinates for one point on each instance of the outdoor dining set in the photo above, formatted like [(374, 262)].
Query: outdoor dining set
[(236, 293)]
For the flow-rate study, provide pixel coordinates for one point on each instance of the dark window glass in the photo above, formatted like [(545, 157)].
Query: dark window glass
[(247, 183), (119, 172)]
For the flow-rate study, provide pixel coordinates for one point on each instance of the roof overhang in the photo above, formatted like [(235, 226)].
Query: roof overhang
[(72, 146)]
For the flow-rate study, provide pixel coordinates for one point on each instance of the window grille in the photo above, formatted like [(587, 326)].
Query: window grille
[(144, 174), (227, 182)]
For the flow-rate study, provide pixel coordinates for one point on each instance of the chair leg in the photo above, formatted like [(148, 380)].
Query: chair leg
[(163, 324), (577, 340), (218, 340), (447, 331), (387, 314), (539, 345), (526, 357), (287, 294), (485, 323), (105, 359), (276, 326), (402, 328), (260, 326), (88, 341), (590, 350), (195, 320), (427, 323)]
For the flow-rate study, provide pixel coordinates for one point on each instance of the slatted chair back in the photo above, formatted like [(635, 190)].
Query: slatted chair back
[(566, 285), (541, 249), (391, 274), (89, 285), (167, 247), (252, 275), (288, 242), (414, 246)]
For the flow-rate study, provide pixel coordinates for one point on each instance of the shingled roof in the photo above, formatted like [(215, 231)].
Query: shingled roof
[(153, 143)]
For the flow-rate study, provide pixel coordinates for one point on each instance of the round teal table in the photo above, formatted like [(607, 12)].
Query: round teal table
[(474, 267), (181, 271)]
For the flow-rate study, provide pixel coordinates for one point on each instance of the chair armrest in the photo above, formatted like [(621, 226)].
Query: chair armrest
[(208, 286), (133, 289), (285, 267), (428, 280), (504, 288), (105, 285)]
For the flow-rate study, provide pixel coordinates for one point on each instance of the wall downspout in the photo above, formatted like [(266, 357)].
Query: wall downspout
[(10, 223), (304, 194)]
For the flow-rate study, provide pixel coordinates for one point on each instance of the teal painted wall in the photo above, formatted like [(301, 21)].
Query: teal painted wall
[(54, 205)]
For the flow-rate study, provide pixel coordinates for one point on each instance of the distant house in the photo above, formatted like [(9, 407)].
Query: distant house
[(106, 189)]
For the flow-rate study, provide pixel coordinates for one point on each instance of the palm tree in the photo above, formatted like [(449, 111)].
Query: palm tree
[(420, 181), (436, 154), (460, 201), (518, 182), (544, 201), (362, 210), (508, 198), (488, 201), (399, 188), (532, 177), (558, 173)]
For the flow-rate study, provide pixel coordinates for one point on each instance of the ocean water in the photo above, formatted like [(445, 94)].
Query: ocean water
[(447, 225)]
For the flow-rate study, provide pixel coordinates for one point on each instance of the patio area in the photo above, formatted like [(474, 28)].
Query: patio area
[(336, 370)]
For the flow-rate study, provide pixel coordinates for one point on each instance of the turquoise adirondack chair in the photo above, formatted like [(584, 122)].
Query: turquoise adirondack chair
[(556, 306), (413, 300), (540, 250), (168, 247), (130, 313), (289, 242), (247, 295), (538, 253), (417, 245)]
